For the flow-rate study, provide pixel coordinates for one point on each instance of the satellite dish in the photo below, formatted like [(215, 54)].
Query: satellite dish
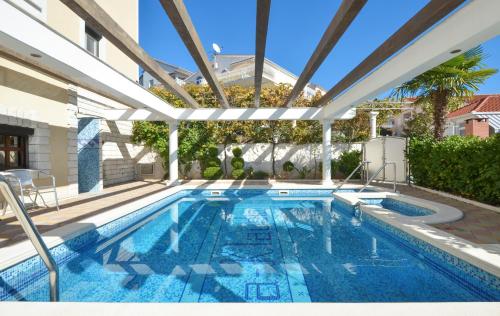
[(217, 49)]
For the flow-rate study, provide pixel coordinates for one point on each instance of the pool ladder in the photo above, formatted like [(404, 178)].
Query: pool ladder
[(363, 163), (377, 173), (385, 164), (34, 236)]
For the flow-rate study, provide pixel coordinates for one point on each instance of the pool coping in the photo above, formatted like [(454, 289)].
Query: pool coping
[(442, 213), (244, 309), (419, 227), (123, 309)]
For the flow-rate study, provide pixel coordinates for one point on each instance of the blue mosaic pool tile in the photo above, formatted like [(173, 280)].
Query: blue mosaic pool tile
[(370, 201), (469, 274), (405, 208), (400, 207), (31, 274), (22, 274)]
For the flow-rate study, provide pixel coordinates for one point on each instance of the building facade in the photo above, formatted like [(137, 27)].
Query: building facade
[(235, 70), (480, 117), (47, 122)]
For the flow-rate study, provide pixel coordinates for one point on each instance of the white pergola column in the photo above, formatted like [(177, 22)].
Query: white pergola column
[(173, 146), (373, 124), (327, 152)]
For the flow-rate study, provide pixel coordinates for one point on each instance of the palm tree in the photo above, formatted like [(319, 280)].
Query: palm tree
[(458, 77)]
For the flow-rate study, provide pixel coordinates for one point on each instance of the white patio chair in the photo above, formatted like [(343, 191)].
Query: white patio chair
[(16, 185), (28, 186)]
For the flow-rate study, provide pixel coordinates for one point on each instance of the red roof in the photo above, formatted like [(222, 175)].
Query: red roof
[(479, 103)]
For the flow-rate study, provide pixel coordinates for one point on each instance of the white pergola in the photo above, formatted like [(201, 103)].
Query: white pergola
[(433, 35)]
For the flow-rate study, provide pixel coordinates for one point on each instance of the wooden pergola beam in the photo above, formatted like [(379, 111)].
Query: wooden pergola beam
[(346, 13), (177, 12), (103, 23), (261, 26), (433, 12)]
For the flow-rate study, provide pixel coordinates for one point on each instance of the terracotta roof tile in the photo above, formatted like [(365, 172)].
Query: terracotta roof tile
[(479, 103)]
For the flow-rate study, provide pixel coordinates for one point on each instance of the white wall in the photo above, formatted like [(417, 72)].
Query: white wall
[(258, 156)]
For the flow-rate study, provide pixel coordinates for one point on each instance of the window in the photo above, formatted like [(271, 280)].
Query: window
[(13, 152), (151, 83), (461, 129), (92, 39)]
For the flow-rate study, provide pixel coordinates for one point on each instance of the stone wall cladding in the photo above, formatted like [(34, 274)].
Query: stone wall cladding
[(119, 157)]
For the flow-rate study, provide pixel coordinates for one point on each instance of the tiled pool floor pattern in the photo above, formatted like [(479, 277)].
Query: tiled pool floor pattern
[(255, 250)]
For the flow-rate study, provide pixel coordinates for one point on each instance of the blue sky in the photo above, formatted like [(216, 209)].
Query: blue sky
[(294, 30)]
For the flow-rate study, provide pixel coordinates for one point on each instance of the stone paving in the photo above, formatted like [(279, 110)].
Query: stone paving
[(478, 225), (75, 209)]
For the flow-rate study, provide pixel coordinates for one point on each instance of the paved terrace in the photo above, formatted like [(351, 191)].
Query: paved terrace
[(479, 225)]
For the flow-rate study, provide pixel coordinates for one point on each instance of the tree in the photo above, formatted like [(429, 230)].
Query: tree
[(459, 77)]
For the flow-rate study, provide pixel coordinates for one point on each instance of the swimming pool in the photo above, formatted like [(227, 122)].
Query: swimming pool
[(253, 246)]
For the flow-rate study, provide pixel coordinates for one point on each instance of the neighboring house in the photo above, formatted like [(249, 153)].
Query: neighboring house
[(240, 70), (177, 73), (396, 124), (480, 117), (47, 122)]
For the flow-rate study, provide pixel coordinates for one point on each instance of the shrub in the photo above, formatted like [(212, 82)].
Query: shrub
[(213, 151), (238, 164), (237, 152), (212, 173), (347, 162), (260, 175), (238, 174), (467, 166), (212, 164), (288, 166), (249, 172), (303, 172)]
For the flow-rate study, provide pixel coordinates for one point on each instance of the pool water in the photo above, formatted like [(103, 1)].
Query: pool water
[(400, 207), (253, 249)]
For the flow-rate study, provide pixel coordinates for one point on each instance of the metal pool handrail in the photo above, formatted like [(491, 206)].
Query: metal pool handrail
[(378, 171), (36, 239), (364, 162)]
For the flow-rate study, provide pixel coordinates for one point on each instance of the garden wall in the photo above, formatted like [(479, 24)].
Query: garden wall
[(258, 156)]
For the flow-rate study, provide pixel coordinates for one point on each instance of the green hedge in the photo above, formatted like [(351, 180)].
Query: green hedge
[(467, 166)]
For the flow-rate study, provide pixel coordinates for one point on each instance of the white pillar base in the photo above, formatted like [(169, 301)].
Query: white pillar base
[(327, 182), (173, 182)]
